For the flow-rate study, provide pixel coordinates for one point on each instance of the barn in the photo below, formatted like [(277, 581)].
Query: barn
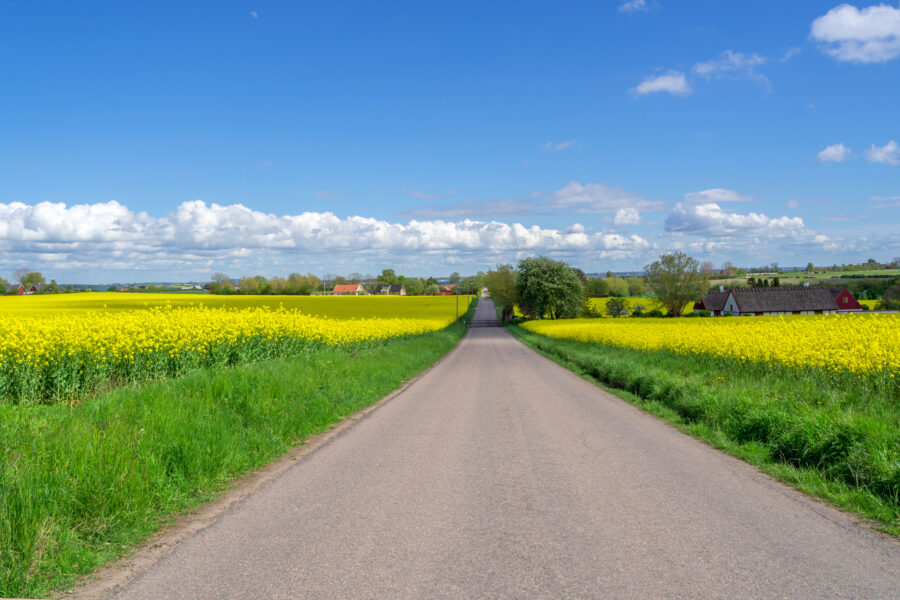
[(779, 301)]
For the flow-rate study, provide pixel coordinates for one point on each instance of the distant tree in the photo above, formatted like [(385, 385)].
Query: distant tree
[(616, 307), (675, 280), (741, 272), (28, 278), (433, 289), (339, 280), (637, 286), (2, 289), (431, 281), (617, 286), (708, 268), (597, 288), (248, 285), (810, 267), (776, 282), (501, 285), (112, 288), (455, 277), (414, 287), (468, 285), (891, 298), (51, 288), (728, 269), (388, 277), (548, 287), (69, 289)]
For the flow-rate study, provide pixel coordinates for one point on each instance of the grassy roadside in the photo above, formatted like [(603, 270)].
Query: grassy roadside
[(81, 485), (841, 445)]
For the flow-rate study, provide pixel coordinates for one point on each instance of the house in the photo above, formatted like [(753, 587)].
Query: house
[(355, 289), (389, 290), (450, 287), (714, 302), (21, 290), (32, 290), (779, 301)]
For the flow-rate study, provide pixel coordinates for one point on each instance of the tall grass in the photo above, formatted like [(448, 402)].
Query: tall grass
[(81, 485), (835, 437)]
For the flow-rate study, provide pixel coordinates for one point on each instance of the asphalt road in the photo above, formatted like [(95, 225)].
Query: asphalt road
[(501, 475)]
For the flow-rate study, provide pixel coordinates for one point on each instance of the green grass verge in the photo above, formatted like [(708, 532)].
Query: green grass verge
[(82, 485), (838, 443)]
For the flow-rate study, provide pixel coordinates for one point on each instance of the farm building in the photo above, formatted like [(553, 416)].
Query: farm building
[(21, 290), (32, 290), (389, 290), (779, 301), (355, 289)]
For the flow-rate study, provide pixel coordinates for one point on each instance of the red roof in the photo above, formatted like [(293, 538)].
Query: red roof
[(349, 288)]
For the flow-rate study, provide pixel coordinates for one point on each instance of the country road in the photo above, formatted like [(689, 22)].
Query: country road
[(499, 474)]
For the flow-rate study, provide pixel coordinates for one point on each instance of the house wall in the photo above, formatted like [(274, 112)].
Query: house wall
[(731, 306)]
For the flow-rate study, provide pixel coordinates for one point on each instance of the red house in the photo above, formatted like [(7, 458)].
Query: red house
[(21, 290)]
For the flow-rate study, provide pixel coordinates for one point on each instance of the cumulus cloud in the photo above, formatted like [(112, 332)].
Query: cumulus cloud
[(627, 216), (836, 153), (673, 82), (574, 197), (197, 234), (870, 35), (710, 219), (733, 65), (888, 154)]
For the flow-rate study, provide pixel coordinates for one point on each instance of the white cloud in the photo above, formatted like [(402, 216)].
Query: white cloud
[(835, 153), (196, 235), (632, 6), (254, 14), (421, 195), (599, 198), (715, 195), (673, 82), (557, 146), (710, 219), (791, 53), (888, 154), (792, 204), (733, 65), (870, 35), (627, 216)]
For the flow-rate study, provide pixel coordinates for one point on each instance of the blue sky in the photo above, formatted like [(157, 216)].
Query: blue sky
[(168, 140)]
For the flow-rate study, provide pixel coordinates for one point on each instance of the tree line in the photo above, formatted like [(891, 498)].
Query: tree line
[(542, 287)]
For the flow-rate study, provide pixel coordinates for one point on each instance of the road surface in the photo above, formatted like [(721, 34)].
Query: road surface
[(501, 475)]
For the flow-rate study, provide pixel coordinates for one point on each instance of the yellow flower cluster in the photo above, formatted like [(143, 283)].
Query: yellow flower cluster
[(47, 355), (864, 344)]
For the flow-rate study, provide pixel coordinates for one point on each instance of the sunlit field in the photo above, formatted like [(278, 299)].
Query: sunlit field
[(332, 307), (857, 343), (60, 347)]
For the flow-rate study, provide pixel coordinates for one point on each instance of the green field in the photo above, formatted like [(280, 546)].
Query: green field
[(81, 485), (835, 437)]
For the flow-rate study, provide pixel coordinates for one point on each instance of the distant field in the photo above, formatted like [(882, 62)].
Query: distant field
[(63, 347), (648, 304), (796, 276), (332, 307)]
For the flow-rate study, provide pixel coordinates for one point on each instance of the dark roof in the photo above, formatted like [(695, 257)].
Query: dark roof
[(786, 299), (715, 301), (388, 289)]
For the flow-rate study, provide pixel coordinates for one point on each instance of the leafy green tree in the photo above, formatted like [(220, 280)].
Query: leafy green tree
[(433, 289), (676, 281), (616, 307), (414, 287), (28, 278), (891, 298), (617, 286), (112, 288), (597, 288), (388, 277), (501, 285), (547, 287), (636, 286), (52, 287)]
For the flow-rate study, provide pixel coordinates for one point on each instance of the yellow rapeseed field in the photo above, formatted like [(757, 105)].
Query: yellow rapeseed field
[(59, 346), (865, 344)]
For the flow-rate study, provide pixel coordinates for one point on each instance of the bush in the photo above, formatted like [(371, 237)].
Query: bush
[(655, 313)]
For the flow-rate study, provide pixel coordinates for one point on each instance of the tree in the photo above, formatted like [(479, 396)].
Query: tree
[(112, 288), (708, 268), (414, 287), (810, 267), (52, 287), (28, 278), (891, 298), (728, 269), (338, 280), (636, 286), (547, 287), (501, 285), (433, 289), (616, 307), (597, 288), (248, 285), (388, 277), (676, 281), (617, 286)]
